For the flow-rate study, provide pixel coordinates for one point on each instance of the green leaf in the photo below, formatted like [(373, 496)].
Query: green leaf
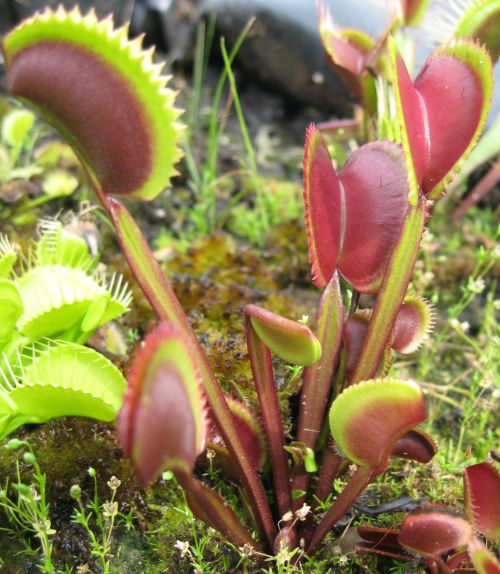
[(59, 183), (54, 379), (8, 257), (293, 342), (58, 247), (367, 419), (56, 299), (11, 308), (103, 92), (16, 125)]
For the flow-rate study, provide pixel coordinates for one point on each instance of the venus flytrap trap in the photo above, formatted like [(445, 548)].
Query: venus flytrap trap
[(364, 226), (49, 308)]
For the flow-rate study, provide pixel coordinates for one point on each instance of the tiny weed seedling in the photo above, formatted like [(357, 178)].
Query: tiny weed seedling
[(364, 224), (48, 310), (102, 515), (28, 509)]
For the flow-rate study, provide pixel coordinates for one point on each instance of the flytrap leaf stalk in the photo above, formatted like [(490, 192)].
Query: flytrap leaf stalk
[(363, 223)]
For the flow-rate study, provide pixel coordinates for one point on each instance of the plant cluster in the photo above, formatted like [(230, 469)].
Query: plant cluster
[(27, 507), (48, 310), (364, 226)]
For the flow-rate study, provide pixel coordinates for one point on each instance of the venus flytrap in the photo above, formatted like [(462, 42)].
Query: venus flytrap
[(134, 158), (364, 224), (48, 309)]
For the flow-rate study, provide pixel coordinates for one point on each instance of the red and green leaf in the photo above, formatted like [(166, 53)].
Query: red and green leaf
[(293, 342), (413, 11), (345, 48), (455, 81), (367, 419), (162, 424), (375, 187), (484, 561), (250, 430), (353, 220), (480, 22), (383, 541), (103, 92), (324, 210), (415, 445), (482, 498), (413, 322), (434, 532)]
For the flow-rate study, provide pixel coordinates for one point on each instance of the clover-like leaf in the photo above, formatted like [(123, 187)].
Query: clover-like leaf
[(434, 532), (162, 424), (413, 322), (11, 308), (368, 418), (455, 81), (293, 342), (353, 219), (103, 92), (482, 498), (54, 379)]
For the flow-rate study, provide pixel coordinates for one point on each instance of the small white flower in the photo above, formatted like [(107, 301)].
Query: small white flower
[(183, 547), (287, 516), (302, 512), (34, 492), (477, 285), (246, 550), (114, 483), (110, 509)]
